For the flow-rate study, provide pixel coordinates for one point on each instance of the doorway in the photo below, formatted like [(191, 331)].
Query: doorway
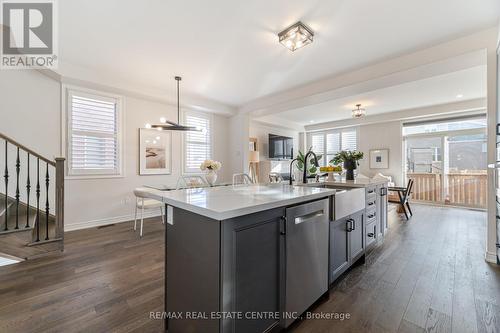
[(447, 160)]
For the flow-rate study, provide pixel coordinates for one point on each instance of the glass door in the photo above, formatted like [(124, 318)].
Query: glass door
[(424, 164), (465, 169)]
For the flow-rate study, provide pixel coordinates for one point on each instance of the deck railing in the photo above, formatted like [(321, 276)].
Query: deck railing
[(466, 189)]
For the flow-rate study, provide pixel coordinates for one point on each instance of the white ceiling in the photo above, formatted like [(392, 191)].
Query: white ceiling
[(442, 89), (228, 51)]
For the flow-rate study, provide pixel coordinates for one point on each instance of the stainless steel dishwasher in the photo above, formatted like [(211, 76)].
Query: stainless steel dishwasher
[(307, 233)]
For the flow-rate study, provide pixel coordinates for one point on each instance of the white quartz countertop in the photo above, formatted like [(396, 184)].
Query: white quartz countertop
[(360, 182), (226, 202)]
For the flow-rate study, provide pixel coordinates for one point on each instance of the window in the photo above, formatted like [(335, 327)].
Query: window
[(93, 135), (445, 125), (197, 145), (328, 143)]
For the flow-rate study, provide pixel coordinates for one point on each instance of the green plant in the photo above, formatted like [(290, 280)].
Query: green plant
[(346, 155), (300, 162)]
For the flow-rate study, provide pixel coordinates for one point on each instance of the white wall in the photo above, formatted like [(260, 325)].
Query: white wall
[(96, 201), (238, 143), (382, 136), (30, 109), (261, 132)]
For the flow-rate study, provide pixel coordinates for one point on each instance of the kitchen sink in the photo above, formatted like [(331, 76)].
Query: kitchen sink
[(346, 201)]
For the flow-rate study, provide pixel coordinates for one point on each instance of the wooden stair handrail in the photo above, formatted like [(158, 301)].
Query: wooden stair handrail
[(31, 152)]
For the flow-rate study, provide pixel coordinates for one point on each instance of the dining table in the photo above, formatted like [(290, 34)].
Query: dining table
[(163, 187)]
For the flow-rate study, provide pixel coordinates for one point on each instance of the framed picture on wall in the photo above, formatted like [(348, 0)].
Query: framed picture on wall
[(155, 152), (379, 159)]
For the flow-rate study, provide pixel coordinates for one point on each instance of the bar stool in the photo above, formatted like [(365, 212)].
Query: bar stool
[(241, 178)]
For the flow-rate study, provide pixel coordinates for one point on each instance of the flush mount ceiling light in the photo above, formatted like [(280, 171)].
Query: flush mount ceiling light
[(358, 112), (296, 36), (170, 125)]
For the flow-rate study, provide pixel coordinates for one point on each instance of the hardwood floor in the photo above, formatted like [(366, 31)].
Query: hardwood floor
[(428, 275)]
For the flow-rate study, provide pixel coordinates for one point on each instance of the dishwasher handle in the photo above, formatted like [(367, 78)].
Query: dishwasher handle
[(306, 217)]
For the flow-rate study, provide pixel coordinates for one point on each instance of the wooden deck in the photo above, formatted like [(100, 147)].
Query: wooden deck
[(429, 274)]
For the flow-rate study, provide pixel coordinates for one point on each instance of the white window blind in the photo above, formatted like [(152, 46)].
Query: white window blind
[(93, 134), (328, 143), (332, 146), (349, 140), (197, 144)]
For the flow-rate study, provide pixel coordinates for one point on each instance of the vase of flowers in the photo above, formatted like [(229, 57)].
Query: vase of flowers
[(350, 161), (210, 167)]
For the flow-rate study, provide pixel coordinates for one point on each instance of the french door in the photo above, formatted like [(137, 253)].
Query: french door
[(448, 168)]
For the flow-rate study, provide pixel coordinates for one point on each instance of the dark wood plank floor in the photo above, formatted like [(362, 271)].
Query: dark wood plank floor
[(429, 275)]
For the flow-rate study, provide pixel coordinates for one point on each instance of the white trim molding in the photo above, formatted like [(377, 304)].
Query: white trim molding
[(108, 221), (65, 109)]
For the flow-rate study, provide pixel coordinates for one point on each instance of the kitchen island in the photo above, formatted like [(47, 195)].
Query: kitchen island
[(244, 258), (376, 203)]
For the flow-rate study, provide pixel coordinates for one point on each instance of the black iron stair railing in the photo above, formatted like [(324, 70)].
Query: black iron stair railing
[(42, 213)]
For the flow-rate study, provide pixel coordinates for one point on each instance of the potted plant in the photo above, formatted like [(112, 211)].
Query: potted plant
[(210, 167), (312, 168), (350, 161)]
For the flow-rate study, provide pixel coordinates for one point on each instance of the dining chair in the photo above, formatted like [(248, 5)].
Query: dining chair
[(142, 203), (404, 194), (275, 177), (191, 182), (241, 179)]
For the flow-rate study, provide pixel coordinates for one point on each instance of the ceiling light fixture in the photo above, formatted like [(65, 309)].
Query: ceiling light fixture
[(358, 112), (460, 96), (296, 36), (170, 125)]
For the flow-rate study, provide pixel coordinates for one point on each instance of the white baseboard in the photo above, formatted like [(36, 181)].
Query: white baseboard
[(491, 257), (107, 221)]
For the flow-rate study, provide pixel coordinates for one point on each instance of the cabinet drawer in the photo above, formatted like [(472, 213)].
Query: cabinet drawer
[(371, 234), (371, 209), (371, 202), (371, 193), (371, 216)]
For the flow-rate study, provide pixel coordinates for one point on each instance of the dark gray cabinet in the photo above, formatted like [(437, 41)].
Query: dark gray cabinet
[(356, 236), (382, 208), (339, 248), (347, 243), (370, 235), (253, 261)]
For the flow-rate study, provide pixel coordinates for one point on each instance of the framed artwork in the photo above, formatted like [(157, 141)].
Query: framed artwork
[(155, 152), (379, 159)]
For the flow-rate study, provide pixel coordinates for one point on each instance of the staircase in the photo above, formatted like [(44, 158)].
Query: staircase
[(31, 202)]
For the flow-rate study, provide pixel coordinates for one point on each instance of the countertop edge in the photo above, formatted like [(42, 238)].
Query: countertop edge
[(219, 216)]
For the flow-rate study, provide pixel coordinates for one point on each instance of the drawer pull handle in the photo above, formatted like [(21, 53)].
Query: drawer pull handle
[(371, 203), (371, 216), (371, 234)]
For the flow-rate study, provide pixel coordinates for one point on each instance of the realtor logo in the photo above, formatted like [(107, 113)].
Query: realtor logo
[(28, 34)]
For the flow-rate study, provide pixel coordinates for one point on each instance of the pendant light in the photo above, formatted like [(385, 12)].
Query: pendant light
[(170, 125), (358, 112)]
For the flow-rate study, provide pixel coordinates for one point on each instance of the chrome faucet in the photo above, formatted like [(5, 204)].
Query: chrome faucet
[(304, 179), (291, 170)]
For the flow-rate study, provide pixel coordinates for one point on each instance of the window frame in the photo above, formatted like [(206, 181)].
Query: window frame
[(67, 92), (210, 118), (325, 133)]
